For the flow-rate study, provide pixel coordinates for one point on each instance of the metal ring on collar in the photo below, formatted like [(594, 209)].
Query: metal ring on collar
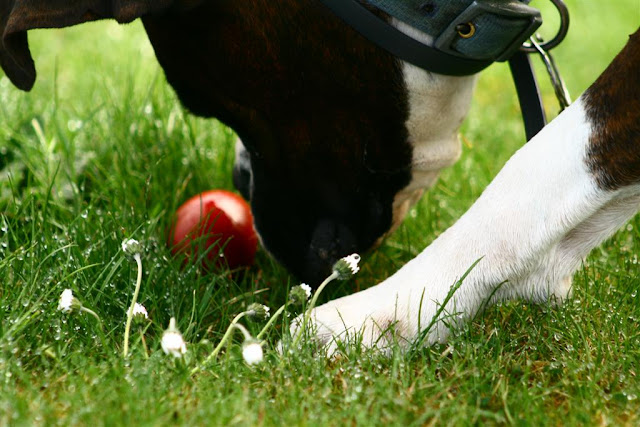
[(466, 31), (560, 35)]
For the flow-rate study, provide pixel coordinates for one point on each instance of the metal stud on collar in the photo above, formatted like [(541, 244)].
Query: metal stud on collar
[(466, 31)]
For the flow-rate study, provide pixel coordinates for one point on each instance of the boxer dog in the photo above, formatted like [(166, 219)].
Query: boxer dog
[(349, 137)]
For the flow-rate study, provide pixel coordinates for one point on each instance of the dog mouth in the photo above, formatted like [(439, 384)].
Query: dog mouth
[(407, 198)]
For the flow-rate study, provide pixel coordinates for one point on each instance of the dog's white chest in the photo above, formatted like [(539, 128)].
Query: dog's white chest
[(437, 106)]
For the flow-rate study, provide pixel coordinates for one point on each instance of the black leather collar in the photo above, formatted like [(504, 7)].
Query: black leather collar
[(400, 45), (438, 61)]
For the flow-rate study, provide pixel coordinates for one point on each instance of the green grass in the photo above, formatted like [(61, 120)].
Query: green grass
[(89, 158)]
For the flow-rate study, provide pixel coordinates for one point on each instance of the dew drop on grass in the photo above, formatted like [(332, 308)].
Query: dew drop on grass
[(634, 293)]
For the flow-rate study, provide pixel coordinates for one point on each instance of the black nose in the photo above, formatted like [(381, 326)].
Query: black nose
[(330, 241)]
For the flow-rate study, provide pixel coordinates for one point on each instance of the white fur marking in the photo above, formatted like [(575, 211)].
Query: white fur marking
[(437, 106)]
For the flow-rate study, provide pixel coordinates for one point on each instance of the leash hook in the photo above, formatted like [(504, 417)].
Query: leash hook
[(537, 45), (559, 87)]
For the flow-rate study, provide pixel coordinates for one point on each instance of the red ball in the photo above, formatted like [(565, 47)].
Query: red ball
[(215, 218)]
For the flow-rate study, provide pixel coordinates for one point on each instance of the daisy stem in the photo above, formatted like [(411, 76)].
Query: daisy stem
[(127, 328), (224, 339), (270, 322), (245, 333), (312, 304), (144, 344), (94, 314)]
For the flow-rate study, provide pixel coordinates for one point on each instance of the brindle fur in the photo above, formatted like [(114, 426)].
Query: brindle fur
[(614, 151)]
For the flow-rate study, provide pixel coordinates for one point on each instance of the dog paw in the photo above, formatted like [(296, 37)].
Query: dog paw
[(351, 321)]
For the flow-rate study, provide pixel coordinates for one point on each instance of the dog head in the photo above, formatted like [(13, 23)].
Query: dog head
[(328, 159), (321, 112)]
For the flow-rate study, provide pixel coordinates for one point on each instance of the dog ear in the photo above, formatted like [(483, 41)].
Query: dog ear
[(19, 16)]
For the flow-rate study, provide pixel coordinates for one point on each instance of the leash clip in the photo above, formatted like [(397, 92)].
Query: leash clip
[(537, 45), (560, 89)]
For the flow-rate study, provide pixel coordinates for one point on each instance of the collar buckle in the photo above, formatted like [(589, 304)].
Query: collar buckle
[(493, 30)]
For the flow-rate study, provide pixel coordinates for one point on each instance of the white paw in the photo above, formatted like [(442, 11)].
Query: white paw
[(355, 320)]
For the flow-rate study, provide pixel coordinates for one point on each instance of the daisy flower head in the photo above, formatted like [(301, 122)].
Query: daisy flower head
[(140, 312), (258, 311), (300, 294), (67, 301), (172, 341), (252, 352), (347, 266), (131, 247)]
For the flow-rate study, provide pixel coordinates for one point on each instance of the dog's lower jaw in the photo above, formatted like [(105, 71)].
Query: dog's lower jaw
[(551, 214)]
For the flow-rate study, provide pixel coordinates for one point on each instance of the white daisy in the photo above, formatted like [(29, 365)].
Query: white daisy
[(66, 301), (300, 294), (252, 352), (131, 247), (139, 310), (172, 341), (347, 266), (307, 289), (259, 311)]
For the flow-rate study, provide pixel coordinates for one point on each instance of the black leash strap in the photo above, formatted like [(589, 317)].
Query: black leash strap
[(524, 78), (528, 94)]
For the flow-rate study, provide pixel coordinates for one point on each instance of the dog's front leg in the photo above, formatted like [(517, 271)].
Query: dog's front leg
[(557, 198)]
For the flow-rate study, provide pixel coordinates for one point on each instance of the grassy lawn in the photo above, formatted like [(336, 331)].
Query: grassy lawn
[(101, 151)]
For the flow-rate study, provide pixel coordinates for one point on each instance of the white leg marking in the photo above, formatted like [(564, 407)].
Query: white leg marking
[(530, 228)]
